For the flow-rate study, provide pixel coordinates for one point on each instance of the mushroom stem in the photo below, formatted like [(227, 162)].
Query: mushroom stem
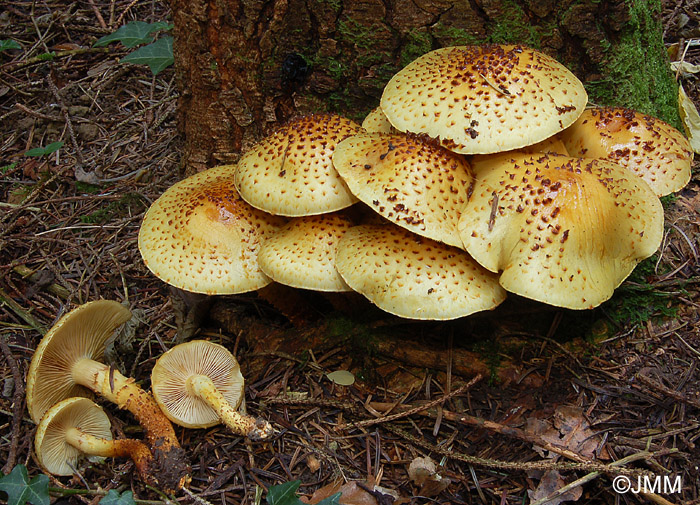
[(123, 448), (126, 394), (255, 429)]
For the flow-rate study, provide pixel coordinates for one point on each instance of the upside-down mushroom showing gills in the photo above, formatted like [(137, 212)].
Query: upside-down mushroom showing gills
[(199, 384), (65, 364)]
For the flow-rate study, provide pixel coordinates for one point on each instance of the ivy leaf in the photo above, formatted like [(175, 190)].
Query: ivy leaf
[(133, 34), (157, 56), (6, 44), (114, 498), (21, 490), (286, 494), (41, 151)]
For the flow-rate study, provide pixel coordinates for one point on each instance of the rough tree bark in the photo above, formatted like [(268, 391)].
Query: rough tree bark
[(243, 66)]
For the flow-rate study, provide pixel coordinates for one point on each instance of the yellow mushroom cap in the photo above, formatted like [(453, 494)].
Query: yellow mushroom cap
[(82, 333), (53, 451), (169, 382), (484, 99), (302, 253), (564, 231), (290, 173), (377, 122), (418, 185), (649, 147), (201, 236), (414, 277)]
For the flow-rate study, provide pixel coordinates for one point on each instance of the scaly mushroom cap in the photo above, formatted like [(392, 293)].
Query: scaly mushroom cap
[(418, 185), (290, 173), (414, 277), (651, 148), (377, 122), (82, 333), (53, 451), (201, 236), (564, 231), (169, 382), (484, 99), (302, 253)]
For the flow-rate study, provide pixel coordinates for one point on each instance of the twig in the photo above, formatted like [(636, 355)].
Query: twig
[(58, 54), (531, 465), (17, 405), (410, 412), (5, 299), (69, 123), (98, 15), (667, 391)]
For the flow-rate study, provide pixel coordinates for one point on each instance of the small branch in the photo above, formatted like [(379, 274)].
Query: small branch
[(17, 405), (410, 412), (666, 390)]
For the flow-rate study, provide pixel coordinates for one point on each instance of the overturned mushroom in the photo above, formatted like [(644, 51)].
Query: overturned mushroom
[(199, 384), (77, 426), (65, 365)]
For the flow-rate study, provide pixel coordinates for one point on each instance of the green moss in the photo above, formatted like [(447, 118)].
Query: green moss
[(350, 30), (451, 36), (130, 203), (417, 43), (636, 70), (512, 27)]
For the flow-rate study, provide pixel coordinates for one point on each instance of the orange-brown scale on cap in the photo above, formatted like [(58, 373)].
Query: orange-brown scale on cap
[(414, 183), (565, 231), (497, 97), (649, 147), (290, 172), (201, 236)]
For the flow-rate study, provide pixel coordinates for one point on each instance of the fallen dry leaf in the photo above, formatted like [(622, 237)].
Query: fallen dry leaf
[(551, 482), (691, 119), (423, 472), (354, 493)]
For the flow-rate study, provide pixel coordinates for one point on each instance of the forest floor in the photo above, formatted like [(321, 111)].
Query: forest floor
[(620, 381)]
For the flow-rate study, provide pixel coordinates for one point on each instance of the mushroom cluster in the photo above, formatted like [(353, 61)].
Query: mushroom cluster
[(66, 368), (483, 173)]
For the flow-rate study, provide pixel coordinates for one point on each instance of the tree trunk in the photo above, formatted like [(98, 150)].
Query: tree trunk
[(243, 66)]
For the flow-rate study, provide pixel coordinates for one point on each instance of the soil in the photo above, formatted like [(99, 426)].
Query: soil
[(561, 394)]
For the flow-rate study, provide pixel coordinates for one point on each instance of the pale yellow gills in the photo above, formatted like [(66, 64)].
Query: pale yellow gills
[(564, 231), (302, 253), (290, 173), (651, 148), (484, 99), (418, 185), (201, 236), (377, 122), (77, 426), (199, 384), (414, 277)]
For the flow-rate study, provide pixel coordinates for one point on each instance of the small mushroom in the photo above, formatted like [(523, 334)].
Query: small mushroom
[(199, 384), (416, 184), (484, 99), (649, 147), (302, 253), (77, 426), (202, 237), (290, 173), (414, 277), (564, 231), (65, 365)]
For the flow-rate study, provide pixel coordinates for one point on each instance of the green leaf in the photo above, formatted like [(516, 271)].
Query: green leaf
[(133, 34), (7, 168), (285, 494), (21, 490), (6, 44), (41, 151), (114, 498), (157, 56)]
